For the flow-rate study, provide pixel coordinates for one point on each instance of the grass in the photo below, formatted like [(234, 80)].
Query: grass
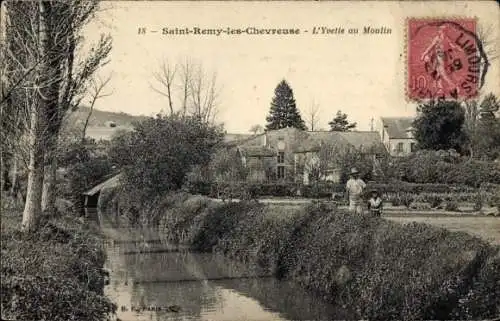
[(53, 274), (382, 269), (487, 228)]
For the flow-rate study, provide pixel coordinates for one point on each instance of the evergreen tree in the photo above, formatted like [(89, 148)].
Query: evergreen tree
[(284, 112), (340, 123), (440, 126)]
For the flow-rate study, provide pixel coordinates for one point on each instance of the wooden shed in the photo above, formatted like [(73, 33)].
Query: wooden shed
[(91, 196)]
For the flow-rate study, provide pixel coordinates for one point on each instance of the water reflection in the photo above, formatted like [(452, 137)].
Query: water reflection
[(198, 286)]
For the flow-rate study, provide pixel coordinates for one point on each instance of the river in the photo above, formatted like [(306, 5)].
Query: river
[(151, 280)]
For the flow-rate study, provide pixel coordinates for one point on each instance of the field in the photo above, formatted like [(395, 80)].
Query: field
[(487, 228)]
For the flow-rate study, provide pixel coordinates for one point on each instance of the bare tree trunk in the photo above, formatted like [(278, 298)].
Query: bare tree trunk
[(15, 178), (32, 207), (49, 181)]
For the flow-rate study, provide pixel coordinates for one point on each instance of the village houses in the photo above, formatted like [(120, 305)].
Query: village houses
[(290, 154)]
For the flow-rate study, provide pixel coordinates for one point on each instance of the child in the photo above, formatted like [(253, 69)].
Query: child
[(375, 204)]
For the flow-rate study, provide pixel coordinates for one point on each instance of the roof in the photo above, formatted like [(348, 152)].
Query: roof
[(317, 138), (397, 127), (111, 182), (342, 139), (238, 139), (256, 151), (364, 139)]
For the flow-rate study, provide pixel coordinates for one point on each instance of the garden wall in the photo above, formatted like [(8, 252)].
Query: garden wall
[(382, 269)]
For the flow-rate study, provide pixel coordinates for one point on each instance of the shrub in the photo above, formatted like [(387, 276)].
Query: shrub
[(166, 149), (55, 274), (452, 206)]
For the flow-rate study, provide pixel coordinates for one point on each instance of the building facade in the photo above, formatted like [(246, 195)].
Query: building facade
[(293, 155), (397, 135)]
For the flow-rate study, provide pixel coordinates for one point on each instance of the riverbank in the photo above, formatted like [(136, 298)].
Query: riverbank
[(56, 274), (385, 270)]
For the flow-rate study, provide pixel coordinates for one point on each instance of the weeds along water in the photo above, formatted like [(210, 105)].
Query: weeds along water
[(55, 274), (384, 269)]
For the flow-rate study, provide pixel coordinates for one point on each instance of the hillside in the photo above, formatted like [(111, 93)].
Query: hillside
[(100, 120)]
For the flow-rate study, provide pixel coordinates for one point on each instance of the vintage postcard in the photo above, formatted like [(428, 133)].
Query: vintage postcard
[(250, 160)]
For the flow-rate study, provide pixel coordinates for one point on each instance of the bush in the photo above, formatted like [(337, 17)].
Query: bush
[(165, 150), (447, 168), (451, 206), (55, 274)]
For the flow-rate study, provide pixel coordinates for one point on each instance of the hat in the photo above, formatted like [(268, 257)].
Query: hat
[(354, 171)]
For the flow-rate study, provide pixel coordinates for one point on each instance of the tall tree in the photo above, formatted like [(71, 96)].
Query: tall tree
[(46, 35), (485, 132), (440, 126), (340, 123), (189, 89), (284, 112)]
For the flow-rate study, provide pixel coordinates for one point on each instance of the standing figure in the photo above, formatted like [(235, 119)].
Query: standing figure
[(436, 57), (354, 188), (375, 204)]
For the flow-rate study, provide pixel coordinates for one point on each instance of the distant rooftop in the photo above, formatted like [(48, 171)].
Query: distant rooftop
[(397, 127)]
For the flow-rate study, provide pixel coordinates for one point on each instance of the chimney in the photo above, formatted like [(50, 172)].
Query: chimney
[(264, 139)]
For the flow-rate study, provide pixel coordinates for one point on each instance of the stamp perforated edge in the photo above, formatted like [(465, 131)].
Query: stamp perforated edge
[(407, 45)]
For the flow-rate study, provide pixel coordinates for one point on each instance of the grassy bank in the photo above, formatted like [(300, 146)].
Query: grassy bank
[(382, 269), (55, 274)]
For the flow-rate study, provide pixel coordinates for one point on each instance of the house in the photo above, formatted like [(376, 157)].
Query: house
[(289, 154), (397, 135)]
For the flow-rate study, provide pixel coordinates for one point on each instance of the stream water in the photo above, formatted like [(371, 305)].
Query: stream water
[(150, 280)]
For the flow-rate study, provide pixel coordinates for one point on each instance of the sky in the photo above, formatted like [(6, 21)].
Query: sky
[(361, 74)]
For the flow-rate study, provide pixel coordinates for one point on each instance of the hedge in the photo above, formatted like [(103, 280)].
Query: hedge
[(324, 190)]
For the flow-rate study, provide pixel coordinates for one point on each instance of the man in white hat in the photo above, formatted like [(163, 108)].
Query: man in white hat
[(354, 188)]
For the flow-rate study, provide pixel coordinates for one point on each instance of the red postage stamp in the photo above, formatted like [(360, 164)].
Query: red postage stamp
[(445, 59)]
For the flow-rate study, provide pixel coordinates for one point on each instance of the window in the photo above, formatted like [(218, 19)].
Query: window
[(281, 172), (413, 147), (399, 147), (281, 157)]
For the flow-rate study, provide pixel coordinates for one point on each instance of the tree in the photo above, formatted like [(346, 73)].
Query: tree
[(55, 87), (159, 153), (313, 116), (96, 89), (256, 129), (340, 123), (485, 139), (284, 112), (440, 126), (188, 85)]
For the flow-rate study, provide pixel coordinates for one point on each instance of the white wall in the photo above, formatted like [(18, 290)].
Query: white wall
[(393, 145)]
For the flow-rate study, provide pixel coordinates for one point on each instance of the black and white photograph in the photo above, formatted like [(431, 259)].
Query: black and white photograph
[(249, 160)]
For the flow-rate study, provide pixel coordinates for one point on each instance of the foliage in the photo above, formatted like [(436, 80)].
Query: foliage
[(446, 167), (85, 166), (483, 127), (340, 123), (439, 126), (383, 269), (161, 151), (53, 275), (284, 112)]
